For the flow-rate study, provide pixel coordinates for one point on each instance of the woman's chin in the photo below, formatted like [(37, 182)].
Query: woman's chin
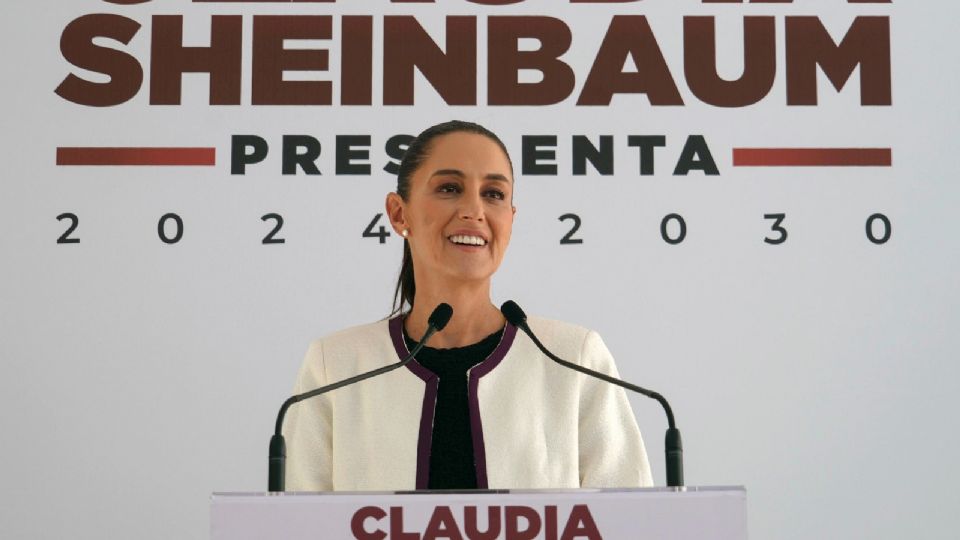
[(469, 275)]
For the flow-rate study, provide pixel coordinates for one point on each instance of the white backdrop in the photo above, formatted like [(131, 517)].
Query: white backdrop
[(139, 376)]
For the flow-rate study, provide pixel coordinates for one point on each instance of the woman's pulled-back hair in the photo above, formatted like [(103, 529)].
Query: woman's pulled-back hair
[(417, 152)]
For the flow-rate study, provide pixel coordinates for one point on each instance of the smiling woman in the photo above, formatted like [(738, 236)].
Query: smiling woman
[(481, 407), (454, 207)]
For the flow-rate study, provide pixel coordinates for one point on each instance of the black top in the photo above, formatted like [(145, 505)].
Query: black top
[(452, 464)]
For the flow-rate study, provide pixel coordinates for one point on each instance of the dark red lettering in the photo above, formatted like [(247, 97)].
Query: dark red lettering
[(442, 525), (363, 514), (629, 36), (471, 526), (513, 530), (866, 44), (505, 61), (580, 524), (271, 59), (759, 62), (78, 48), (407, 46), (550, 523), (356, 61), (170, 59), (396, 526)]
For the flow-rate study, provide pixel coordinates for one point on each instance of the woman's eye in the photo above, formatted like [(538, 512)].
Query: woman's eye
[(448, 188), (496, 194)]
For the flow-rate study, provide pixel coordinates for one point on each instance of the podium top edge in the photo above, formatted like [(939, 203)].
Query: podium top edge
[(683, 489)]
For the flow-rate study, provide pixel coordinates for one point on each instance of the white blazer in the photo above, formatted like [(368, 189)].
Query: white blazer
[(535, 424)]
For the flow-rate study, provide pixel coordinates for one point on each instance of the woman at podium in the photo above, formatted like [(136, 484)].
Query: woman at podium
[(480, 407)]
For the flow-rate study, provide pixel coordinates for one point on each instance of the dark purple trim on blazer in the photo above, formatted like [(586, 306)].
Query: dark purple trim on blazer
[(430, 401), (476, 425)]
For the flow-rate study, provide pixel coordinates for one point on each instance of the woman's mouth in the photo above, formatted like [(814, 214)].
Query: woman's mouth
[(467, 240)]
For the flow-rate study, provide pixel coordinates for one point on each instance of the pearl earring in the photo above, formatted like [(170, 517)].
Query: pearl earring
[(405, 233)]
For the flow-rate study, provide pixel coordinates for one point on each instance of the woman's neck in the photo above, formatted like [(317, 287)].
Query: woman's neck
[(474, 316)]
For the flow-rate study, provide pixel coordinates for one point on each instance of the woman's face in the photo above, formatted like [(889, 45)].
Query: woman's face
[(459, 211)]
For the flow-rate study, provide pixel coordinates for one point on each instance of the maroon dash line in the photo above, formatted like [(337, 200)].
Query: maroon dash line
[(136, 156), (812, 157)]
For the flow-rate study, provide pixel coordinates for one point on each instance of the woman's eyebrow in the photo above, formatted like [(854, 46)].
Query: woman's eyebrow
[(460, 174), (448, 172)]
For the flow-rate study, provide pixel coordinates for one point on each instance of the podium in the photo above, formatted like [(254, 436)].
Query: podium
[(613, 514)]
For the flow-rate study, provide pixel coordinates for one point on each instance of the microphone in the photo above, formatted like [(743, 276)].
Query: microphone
[(276, 471), (673, 445)]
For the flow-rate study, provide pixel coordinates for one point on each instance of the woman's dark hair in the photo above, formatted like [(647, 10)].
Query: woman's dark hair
[(417, 152)]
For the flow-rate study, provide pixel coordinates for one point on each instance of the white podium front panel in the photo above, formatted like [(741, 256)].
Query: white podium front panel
[(623, 514)]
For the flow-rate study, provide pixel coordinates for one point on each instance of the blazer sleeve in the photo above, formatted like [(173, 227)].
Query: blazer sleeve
[(308, 429), (611, 451)]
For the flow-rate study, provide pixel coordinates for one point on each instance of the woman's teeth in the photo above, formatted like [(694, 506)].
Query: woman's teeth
[(468, 240)]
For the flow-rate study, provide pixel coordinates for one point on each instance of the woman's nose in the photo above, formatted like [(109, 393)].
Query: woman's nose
[(471, 207)]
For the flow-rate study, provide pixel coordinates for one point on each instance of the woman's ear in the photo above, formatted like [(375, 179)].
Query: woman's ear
[(396, 212)]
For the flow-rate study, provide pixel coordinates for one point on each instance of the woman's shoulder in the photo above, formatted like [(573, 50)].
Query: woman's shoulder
[(561, 334), (554, 326), (573, 342), (375, 334)]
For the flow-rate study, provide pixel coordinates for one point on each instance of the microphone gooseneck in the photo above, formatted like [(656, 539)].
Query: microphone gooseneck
[(673, 444), (276, 471)]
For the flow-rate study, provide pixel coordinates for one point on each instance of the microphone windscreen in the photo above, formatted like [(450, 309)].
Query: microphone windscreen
[(513, 313), (440, 316)]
